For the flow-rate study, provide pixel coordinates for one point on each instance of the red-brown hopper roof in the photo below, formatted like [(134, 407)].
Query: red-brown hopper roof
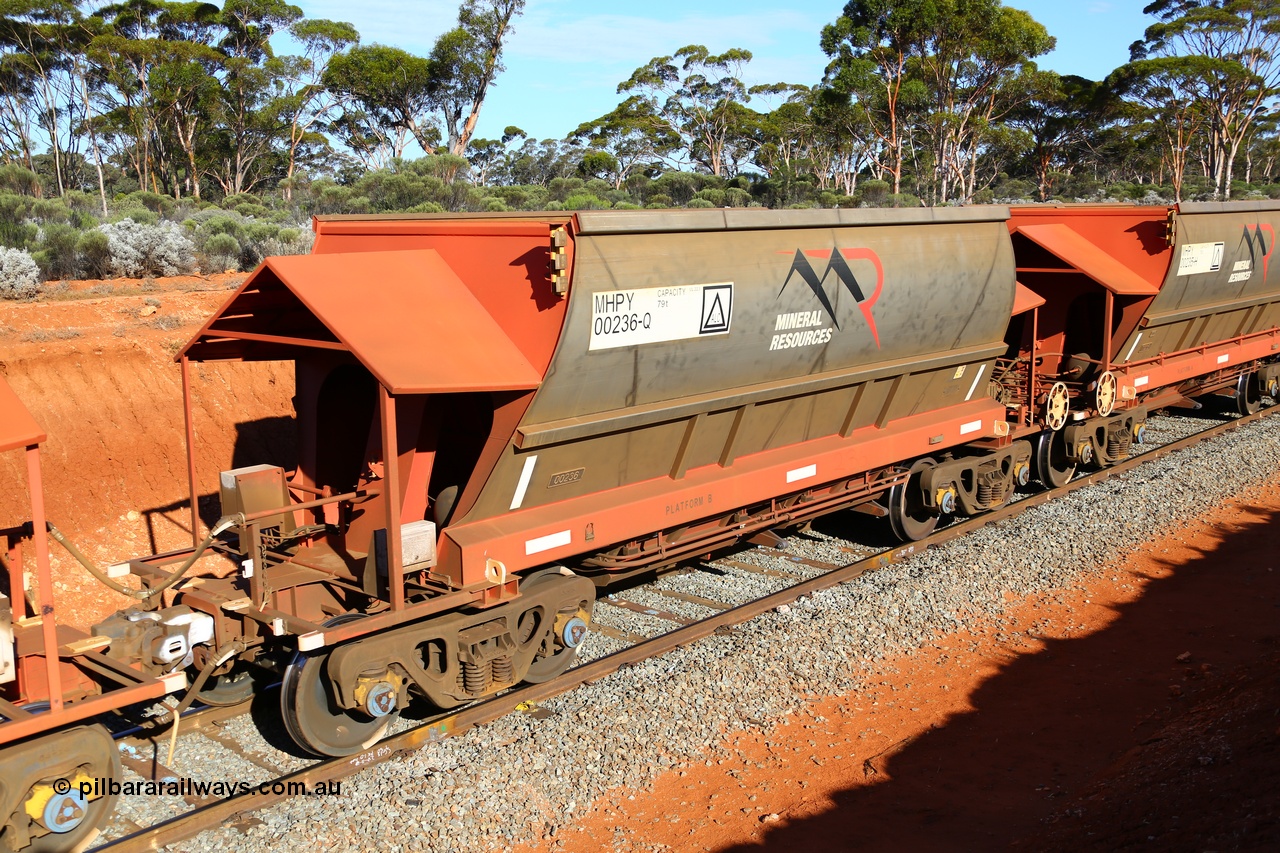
[(17, 427), (1077, 251), (404, 315), (1024, 299)]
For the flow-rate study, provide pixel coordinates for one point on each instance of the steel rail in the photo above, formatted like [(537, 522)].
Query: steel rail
[(435, 729)]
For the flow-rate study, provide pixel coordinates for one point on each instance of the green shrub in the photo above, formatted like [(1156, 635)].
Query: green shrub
[(17, 234), (584, 201), (677, 186), (873, 192), (15, 179), (257, 232), (716, 197), (561, 188), (699, 203), (219, 223), (222, 252), (251, 209), (57, 253), (154, 202), (94, 252), (140, 215)]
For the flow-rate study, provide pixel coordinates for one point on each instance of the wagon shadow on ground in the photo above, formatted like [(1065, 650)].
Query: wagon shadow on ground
[(1051, 722)]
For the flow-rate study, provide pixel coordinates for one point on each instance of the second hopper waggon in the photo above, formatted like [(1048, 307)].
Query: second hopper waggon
[(1144, 307)]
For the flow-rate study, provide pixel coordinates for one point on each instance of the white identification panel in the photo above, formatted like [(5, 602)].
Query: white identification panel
[(624, 318), (1200, 257)]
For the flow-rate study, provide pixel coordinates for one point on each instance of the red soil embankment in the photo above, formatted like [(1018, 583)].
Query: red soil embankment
[(98, 374)]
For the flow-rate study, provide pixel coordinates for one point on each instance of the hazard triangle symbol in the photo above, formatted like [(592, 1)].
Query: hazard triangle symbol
[(715, 317)]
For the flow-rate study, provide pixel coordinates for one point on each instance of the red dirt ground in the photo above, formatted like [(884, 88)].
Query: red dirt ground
[(1139, 711)]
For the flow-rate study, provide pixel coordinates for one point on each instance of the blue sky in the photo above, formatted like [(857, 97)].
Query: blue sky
[(566, 57)]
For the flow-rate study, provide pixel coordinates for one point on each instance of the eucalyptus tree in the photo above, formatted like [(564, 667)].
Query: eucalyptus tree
[(635, 137), (487, 155), (155, 62), (465, 62), (39, 40), (1165, 94), (251, 78), (306, 103), (786, 132), (1059, 114), (704, 107), (842, 146), (870, 46), (386, 93), (1221, 54), (972, 53)]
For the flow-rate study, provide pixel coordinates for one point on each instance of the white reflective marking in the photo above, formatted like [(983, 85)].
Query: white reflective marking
[(1140, 381), (1135, 345), (310, 641), (802, 473), (1224, 358), (971, 426), (546, 543), (526, 474), (974, 386), (174, 681)]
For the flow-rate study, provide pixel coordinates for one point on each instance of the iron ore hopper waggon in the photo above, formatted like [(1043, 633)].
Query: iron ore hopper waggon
[(498, 414)]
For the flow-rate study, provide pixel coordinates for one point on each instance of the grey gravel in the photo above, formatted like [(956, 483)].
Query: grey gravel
[(527, 779)]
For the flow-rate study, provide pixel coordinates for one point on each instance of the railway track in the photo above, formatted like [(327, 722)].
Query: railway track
[(677, 609)]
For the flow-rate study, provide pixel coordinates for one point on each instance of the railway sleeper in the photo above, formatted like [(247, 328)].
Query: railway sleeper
[(460, 657), (1102, 442)]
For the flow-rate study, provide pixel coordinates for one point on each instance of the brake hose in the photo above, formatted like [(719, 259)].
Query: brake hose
[(217, 659), (224, 523)]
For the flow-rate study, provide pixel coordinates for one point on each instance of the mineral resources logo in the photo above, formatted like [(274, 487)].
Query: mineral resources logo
[(839, 268), (1257, 243)]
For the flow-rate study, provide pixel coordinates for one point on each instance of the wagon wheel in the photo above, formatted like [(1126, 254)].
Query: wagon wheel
[(569, 629), (909, 518), (72, 819), (1057, 406), (1248, 395), (1106, 393), (312, 717), (1053, 467)]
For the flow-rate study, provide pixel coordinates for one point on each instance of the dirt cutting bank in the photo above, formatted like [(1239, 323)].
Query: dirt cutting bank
[(96, 370)]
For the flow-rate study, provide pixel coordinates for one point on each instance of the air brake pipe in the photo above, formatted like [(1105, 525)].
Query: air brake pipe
[(224, 523), (217, 659), (221, 656)]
